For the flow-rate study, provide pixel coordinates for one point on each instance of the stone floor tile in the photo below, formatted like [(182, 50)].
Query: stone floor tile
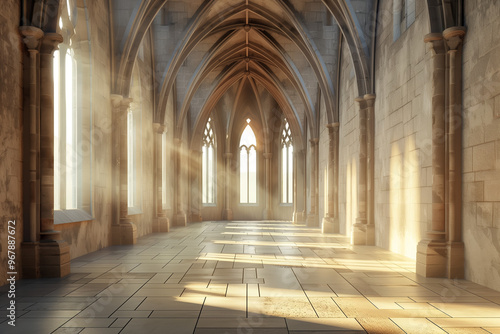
[(89, 322), (101, 331), (160, 326), (172, 304), (120, 322), (324, 324), (379, 326), (294, 307), (417, 326), (466, 322), (241, 323), (42, 325), (481, 310)]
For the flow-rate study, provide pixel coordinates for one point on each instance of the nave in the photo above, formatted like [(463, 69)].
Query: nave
[(250, 277)]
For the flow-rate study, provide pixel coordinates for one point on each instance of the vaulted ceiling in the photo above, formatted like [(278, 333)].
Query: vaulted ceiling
[(229, 54)]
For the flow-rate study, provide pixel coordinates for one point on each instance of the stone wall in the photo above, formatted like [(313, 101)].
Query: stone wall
[(403, 125), (481, 143), (349, 144), (11, 81)]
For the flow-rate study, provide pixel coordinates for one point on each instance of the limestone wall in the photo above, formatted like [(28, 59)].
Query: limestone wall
[(11, 77), (349, 143), (481, 143), (403, 126)]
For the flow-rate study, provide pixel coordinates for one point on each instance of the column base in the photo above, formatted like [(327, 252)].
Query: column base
[(431, 258), (180, 219), (363, 234), (330, 225), (195, 218), (227, 214), (161, 225), (128, 232), (55, 259), (267, 214), (298, 217), (30, 257), (456, 260), (312, 220)]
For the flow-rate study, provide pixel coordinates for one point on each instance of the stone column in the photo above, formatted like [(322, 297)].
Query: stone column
[(180, 217), (269, 204), (161, 222), (454, 39), (331, 219), (195, 165), (312, 218), (32, 37), (298, 186), (124, 231), (54, 253), (370, 168), (227, 214), (363, 232), (431, 251)]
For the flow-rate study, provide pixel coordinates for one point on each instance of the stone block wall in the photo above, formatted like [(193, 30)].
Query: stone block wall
[(481, 142), (403, 125), (11, 95), (349, 143)]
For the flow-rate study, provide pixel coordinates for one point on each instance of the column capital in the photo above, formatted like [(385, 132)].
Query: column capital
[(334, 125), (314, 141), (195, 152), (268, 155), (361, 102), (159, 128), (454, 37), (32, 36), (116, 100), (50, 42), (369, 97), (435, 40), (228, 155), (178, 142)]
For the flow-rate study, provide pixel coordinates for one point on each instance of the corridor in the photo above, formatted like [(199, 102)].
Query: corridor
[(249, 277)]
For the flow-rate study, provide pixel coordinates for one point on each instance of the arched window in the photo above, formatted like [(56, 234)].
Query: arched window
[(72, 115), (286, 164), (209, 164), (248, 166), (403, 16)]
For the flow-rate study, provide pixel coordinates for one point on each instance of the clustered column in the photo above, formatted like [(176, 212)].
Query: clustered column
[(161, 223), (269, 204), (298, 186), (312, 218), (180, 214), (364, 229), (43, 253), (123, 230), (331, 219), (441, 253), (228, 212), (195, 167)]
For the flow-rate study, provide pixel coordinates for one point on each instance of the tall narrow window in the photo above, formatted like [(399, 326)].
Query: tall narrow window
[(248, 166), (286, 164), (208, 164), (403, 16), (72, 116)]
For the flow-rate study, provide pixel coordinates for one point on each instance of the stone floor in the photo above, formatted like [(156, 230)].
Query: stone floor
[(249, 277)]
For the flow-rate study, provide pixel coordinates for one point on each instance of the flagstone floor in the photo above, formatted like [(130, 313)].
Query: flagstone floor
[(248, 277)]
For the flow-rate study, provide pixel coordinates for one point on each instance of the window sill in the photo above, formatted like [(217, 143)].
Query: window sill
[(134, 211), (71, 216)]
